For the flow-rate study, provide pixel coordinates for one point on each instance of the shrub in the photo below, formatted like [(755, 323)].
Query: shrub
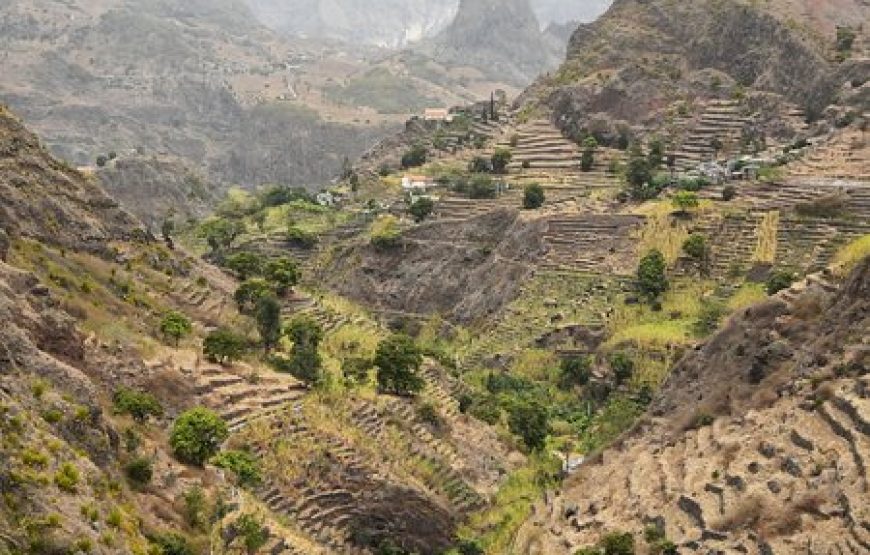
[(428, 413), (479, 164), (241, 463), (171, 543), (533, 196), (695, 246), (779, 280), (139, 471), (282, 274), (398, 360), (587, 159), (224, 346), (422, 208), (709, 317), (253, 533), (684, 201), (385, 233), (729, 193), (500, 160), (249, 293), (526, 164), (175, 326), (67, 478), (486, 409), (575, 371), (416, 156), (356, 369), (655, 155), (618, 543), (245, 265), (651, 277), (529, 421), (300, 238), (305, 362), (622, 366), (102, 160), (197, 435), (481, 187), (830, 206), (137, 404)]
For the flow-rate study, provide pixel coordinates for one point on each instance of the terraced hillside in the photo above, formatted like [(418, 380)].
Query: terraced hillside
[(757, 442)]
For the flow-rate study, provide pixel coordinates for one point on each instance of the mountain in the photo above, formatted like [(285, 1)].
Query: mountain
[(202, 81), (502, 39), (384, 23), (560, 12)]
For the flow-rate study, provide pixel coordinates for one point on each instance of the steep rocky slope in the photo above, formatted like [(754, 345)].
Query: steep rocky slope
[(757, 443), (643, 58)]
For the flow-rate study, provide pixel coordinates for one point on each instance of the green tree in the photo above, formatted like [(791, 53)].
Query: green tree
[(305, 362), (500, 160), (249, 294), (223, 346), (268, 317), (651, 274), (656, 154), (175, 326), (416, 156), (684, 201), (253, 533), (638, 175), (171, 543), (533, 196), (529, 420), (622, 366), (696, 248), (197, 435), (779, 280), (479, 164), (398, 360), (575, 371), (481, 187), (618, 543), (587, 159), (220, 233), (243, 464), (422, 208), (138, 404), (245, 265), (283, 274)]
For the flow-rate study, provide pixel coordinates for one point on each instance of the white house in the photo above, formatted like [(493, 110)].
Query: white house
[(437, 114), (417, 183)]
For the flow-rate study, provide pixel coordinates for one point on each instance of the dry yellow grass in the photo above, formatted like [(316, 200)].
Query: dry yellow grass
[(768, 228)]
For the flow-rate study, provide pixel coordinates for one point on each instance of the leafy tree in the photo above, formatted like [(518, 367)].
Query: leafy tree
[(249, 294), (243, 464), (422, 208), (282, 273), (695, 246), (138, 404), (102, 160), (500, 160), (305, 362), (779, 280), (167, 228), (479, 164), (197, 435), (638, 175), (398, 360), (300, 238), (220, 233), (139, 471), (651, 277), (587, 159), (253, 533), (416, 156), (684, 201), (622, 366), (529, 421), (224, 346), (245, 265), (268, 316), (655, 155), (175, 325), (533, 196), (575, 371)]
